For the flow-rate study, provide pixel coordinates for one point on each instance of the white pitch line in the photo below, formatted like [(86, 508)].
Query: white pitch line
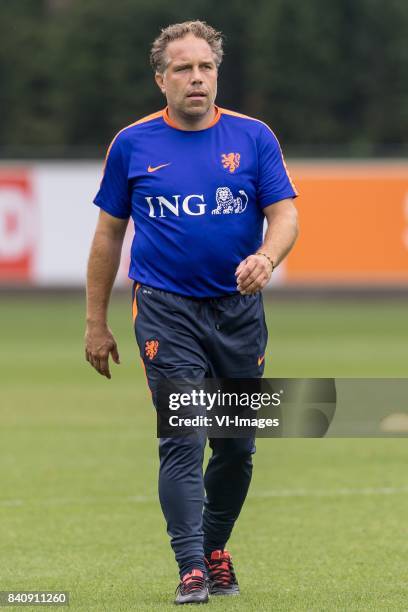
[(141, 499), (330, 492)]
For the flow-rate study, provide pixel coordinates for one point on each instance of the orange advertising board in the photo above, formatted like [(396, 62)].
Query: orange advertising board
[(353, 223)]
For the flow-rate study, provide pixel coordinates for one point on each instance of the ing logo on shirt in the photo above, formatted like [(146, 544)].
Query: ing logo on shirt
[(151, 348), (230, 161), (195, 205), (227, 204)]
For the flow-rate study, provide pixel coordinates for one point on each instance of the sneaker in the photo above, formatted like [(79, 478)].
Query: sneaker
[(192, 589), (221, 575)]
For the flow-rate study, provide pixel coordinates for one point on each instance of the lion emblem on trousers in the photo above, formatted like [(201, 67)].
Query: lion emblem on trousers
[(227, 204)]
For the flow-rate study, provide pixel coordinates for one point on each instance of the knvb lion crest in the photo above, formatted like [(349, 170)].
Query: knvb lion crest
[(230, 161), (227, 204), (151, 348)]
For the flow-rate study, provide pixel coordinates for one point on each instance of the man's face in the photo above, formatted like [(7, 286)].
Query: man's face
[(190, 78)]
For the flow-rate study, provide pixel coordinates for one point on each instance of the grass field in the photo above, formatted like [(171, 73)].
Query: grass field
[(325, 524)]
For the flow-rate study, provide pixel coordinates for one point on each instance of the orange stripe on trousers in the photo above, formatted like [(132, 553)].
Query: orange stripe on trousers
[(134, 305)]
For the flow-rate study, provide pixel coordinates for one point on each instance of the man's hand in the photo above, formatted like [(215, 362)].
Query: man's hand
[(103, 265), (253, 273), (99, 343)]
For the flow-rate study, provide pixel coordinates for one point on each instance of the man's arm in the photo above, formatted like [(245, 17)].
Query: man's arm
[(103, 265), (255, 271)]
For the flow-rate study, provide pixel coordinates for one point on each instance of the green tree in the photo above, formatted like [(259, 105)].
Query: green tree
[(323, 75)]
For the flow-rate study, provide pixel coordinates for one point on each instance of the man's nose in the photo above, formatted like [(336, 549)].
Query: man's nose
[(196, 75)]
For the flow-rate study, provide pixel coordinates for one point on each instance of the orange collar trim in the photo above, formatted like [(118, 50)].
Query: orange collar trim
[(167, 119)]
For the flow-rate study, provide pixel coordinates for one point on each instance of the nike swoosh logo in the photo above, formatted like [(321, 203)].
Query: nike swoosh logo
[(261, 360), (150, 169)]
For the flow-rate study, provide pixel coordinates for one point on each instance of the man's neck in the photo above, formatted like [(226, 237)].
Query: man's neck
[(188, 122)]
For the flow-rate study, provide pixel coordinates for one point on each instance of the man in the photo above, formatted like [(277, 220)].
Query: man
[(198, 182)]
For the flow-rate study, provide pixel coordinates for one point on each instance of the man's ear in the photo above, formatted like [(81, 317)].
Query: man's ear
[(159, 78)]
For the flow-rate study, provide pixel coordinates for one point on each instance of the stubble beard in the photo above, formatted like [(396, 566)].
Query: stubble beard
[(197, 110)]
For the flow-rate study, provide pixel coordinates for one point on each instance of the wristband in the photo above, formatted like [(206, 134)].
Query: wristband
[(267, 257)]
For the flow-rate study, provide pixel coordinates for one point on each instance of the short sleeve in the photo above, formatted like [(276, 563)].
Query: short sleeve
[(274, 182), (113, 195)]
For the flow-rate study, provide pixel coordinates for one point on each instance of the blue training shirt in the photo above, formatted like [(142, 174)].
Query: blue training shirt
[(195, 197)]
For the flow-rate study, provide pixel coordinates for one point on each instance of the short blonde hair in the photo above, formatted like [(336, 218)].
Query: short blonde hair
[(200, 29)]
